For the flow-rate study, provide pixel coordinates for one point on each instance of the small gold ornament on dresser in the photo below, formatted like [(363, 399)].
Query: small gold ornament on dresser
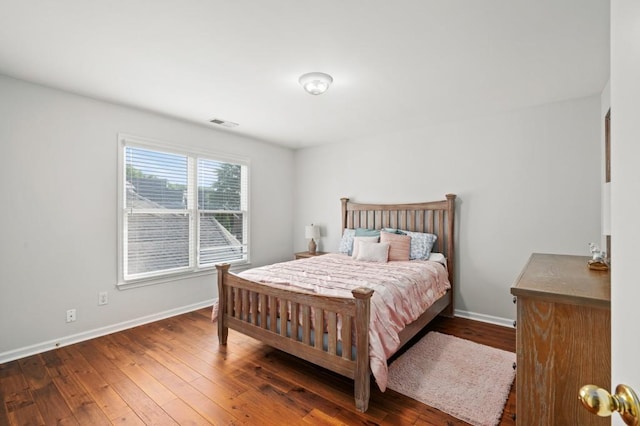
[(598, 261)]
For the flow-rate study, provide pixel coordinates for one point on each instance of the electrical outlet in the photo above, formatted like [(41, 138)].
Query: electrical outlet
[(71, 315), (103, 298)]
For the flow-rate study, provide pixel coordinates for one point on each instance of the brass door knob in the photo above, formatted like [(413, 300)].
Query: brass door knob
[(599, 401)]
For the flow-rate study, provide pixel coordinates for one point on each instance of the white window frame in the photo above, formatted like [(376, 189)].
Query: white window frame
[(194, 267)]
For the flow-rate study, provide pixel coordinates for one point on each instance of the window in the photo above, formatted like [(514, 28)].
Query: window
[(179, 211)]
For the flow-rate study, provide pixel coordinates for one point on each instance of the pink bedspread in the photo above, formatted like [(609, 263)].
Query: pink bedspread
[(402, 292)]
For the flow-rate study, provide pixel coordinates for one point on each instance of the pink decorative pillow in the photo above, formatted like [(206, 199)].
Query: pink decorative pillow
[(399, 245)]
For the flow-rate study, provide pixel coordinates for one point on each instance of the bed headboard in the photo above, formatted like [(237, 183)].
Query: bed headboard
[(434, 217)]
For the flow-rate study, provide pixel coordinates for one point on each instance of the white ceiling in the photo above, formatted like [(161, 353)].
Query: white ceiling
[(396, 64)]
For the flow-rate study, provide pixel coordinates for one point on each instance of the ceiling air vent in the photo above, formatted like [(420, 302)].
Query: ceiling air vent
[(223, 122)]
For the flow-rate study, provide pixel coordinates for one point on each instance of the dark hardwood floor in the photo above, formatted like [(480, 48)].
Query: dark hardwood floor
[(173, 372)]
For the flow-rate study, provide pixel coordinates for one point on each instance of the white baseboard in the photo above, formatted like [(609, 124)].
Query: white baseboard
[(505, 322), (91, 334)]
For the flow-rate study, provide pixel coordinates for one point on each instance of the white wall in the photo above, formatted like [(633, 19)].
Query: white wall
[(58, 162), (625, 193), (527, 181)]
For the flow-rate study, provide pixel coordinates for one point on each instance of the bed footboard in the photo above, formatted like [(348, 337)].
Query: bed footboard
[(287, 319)]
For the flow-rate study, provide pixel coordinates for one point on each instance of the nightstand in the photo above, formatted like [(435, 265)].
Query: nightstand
[(306, 254)]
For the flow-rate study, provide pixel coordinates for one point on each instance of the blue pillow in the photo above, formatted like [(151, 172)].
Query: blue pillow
[(363, 232), (393, 231), (421, 244), (346, 243)]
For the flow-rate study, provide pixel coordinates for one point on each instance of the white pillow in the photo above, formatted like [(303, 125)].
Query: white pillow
[(373, 252), (438, 257), (358, 240)]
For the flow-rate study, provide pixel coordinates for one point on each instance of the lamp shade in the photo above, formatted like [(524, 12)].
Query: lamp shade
[(606, 209), (312, 231)]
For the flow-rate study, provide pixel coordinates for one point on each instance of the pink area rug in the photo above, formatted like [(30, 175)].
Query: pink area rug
[(464, 379)]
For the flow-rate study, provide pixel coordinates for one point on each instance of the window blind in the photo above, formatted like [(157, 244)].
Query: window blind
[(157, 215), (222, 208), (181, 212)]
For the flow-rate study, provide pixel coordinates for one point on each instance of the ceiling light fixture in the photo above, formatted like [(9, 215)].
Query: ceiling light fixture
[(315, 83)]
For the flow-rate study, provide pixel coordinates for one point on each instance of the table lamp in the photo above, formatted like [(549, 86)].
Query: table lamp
[(312, 232)]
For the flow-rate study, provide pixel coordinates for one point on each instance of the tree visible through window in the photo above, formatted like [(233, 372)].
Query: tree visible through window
[(221, 218), (181, 212)]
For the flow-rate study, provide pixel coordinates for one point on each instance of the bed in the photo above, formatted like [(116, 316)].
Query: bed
[(286, 317)]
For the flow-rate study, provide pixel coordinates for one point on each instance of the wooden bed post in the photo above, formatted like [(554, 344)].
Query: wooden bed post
[(363, 371), (451, 209), (344, 202), (223, 330)]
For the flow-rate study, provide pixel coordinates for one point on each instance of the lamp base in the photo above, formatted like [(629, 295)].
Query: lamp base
[(312, 247)]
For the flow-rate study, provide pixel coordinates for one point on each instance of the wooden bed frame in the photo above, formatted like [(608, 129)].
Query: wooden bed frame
[(239, 299)]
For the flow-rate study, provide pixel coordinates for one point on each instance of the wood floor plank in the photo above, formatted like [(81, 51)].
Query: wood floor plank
[(129, 418), (179, 386), (144, 407), (174, 372), (208, 409), (104, 360), (167, 360), (34, 370), (4, 418), (55, 366), (83, 407), (182, 413), (12, 379), (107, 399), (319, 418), (52, 405), (328, 385), (18, 404), (245, 412), (104, 366), (149, 385), (22, 409), (80, 402), (227, 386), (281, 409)]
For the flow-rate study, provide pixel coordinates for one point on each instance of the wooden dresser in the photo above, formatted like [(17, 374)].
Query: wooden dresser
[(563, 339)]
